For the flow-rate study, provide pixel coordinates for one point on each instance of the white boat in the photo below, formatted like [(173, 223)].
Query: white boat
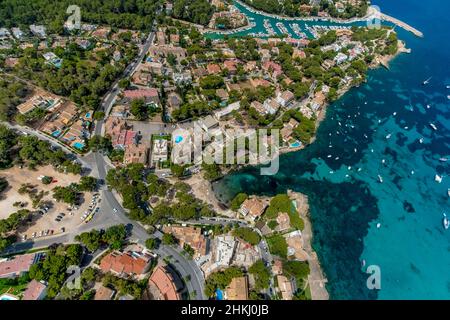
[(443, 159), (380, 179), (421, 140), (389, 136), (378, 225), (448, 192), (427, 81), (445, 222), (394, 114), (438, 178), (448, 87), (448, 97), (432, 125), (428, 106)]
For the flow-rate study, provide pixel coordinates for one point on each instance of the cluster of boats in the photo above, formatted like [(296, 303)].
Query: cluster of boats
[(283, 29), (268, 27), (298, 32)]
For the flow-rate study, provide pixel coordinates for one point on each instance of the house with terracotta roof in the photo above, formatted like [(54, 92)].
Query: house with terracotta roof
[(135, 153), (149, 95), (230, 65), (253, 207), (104, 293), (126, 263), (163, 285), (285, 98), (35, 291), (213, 68), (237, 289), (285, 287), (274, 69), (190, 235), (18, 265)]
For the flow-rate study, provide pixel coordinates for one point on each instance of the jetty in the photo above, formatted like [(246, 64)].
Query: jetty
[(401, 24)]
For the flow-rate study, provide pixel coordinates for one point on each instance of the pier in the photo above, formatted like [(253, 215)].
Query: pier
[(401, 24)]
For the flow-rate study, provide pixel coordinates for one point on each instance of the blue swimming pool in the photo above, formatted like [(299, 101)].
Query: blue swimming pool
[(296, 144), (6, 296), (88, 115), (178, 139), (78, 145), (219, 294), (56, 133)]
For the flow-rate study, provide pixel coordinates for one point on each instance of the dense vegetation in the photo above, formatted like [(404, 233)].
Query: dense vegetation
[(278, 246), (84, 76), (129, 14), (11, 95), (136, 186), (221, 279), (248, 235), (54, 267), (114, 237), (292, 8), (196, 11), (261, 274)]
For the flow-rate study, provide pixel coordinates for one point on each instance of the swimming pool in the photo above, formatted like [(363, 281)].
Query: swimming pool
[(178, 139), (88, 115), (296, 144), (8, 297), (56, 133), (78, 145), (219, 294)]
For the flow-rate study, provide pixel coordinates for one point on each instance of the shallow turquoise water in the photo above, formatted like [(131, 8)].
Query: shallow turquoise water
[(410, 247)]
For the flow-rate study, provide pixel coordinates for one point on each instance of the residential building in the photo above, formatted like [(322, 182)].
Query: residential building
[(149, 95), (17, 265), (189, 235), (285, 287), (285, 98), (253, 207), (40, 99), (208, 123), (135, 153), (38, 30), (17, 33), (274, 69), (126, 263), (237, 289), (174, 101), (35, 291), (213, 68), (160, 151), (271, 105), (104, 293), (288, 129), (163, 285), (340, 58)]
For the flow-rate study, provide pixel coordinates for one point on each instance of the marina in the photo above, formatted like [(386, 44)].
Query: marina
[(261, 24)]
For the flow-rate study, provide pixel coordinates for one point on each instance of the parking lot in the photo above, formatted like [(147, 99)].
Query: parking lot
[(52, 217)]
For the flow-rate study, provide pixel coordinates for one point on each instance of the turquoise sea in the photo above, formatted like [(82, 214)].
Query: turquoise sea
[(347, 200)]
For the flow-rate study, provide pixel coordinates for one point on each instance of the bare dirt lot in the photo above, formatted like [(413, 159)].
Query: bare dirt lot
[(16, 177)]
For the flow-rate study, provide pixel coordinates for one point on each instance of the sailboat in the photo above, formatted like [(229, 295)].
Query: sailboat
[(432, 125), (445, 222), (380, 179), (427, 81)]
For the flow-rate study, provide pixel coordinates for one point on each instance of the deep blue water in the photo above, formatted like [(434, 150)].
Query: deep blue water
[(411, 247)]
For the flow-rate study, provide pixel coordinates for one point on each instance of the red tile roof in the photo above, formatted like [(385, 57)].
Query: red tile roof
[(17, 265), (34, 291), (124, 263), (142, 93), (164, 281)]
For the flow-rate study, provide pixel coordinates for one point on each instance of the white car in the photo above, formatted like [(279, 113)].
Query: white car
[(114, 209)]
